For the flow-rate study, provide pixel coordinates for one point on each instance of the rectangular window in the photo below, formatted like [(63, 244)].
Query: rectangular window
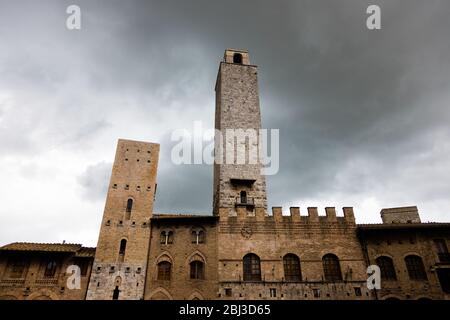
[(442, 250), (357, 291), (273, 292), (316, 293), (228, 292), (17, 269)]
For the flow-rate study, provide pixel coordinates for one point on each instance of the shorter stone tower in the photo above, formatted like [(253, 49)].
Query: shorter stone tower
[(120, 260)]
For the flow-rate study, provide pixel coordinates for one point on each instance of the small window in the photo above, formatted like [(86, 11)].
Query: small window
[(50, 269), (116, 293), (127, 186), (164, 268), (273, 292), (123, 246), (237, 58), (316, 293), (243, 196), (228, 292), (197, 270), (197, 236), (166, 237), (357, 291), (115, 186)]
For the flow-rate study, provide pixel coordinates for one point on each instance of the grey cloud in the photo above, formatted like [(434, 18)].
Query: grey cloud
[(94, 181)]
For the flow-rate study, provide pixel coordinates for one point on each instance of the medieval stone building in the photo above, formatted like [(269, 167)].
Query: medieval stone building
[(240, 251)]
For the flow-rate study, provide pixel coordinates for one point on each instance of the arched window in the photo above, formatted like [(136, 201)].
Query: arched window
[(197, 270), (292, 271), (123, 246), (243, 197), (50, 269), (252, 267), (387, 268), (198, 236), (164, 268), (166, 237), (331, 268), (416, 269), (237, 58)]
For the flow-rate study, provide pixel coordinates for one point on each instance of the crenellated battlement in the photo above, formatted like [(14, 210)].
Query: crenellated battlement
[(313, 215), (295, 215)]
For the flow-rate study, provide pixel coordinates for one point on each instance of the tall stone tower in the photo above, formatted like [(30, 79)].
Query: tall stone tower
[(121, 257), (238, 184)]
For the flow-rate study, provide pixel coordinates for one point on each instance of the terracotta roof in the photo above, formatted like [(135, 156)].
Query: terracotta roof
[(48, 247), (85, 252)]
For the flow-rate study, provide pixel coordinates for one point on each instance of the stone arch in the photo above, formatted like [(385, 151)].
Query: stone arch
[(164, 256), (411, 253), (196, 256), (160, 294), (43, 295), (196, 295), (383, 255), (8, 297)]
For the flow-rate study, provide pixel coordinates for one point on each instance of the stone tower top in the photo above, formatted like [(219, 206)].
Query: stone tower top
[(237, 56), (400, 215)]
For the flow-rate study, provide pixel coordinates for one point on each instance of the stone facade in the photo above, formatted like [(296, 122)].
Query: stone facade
[(122, 250), (240, 250), (31, 271)]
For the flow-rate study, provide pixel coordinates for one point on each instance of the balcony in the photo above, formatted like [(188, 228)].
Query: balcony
[(245, 201), (12, 282), (46, 282)]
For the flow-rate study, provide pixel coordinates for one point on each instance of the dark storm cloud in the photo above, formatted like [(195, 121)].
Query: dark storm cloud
[(362, 114), (335, 90)]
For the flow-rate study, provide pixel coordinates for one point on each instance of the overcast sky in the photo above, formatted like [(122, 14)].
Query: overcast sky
[(363, 115)]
